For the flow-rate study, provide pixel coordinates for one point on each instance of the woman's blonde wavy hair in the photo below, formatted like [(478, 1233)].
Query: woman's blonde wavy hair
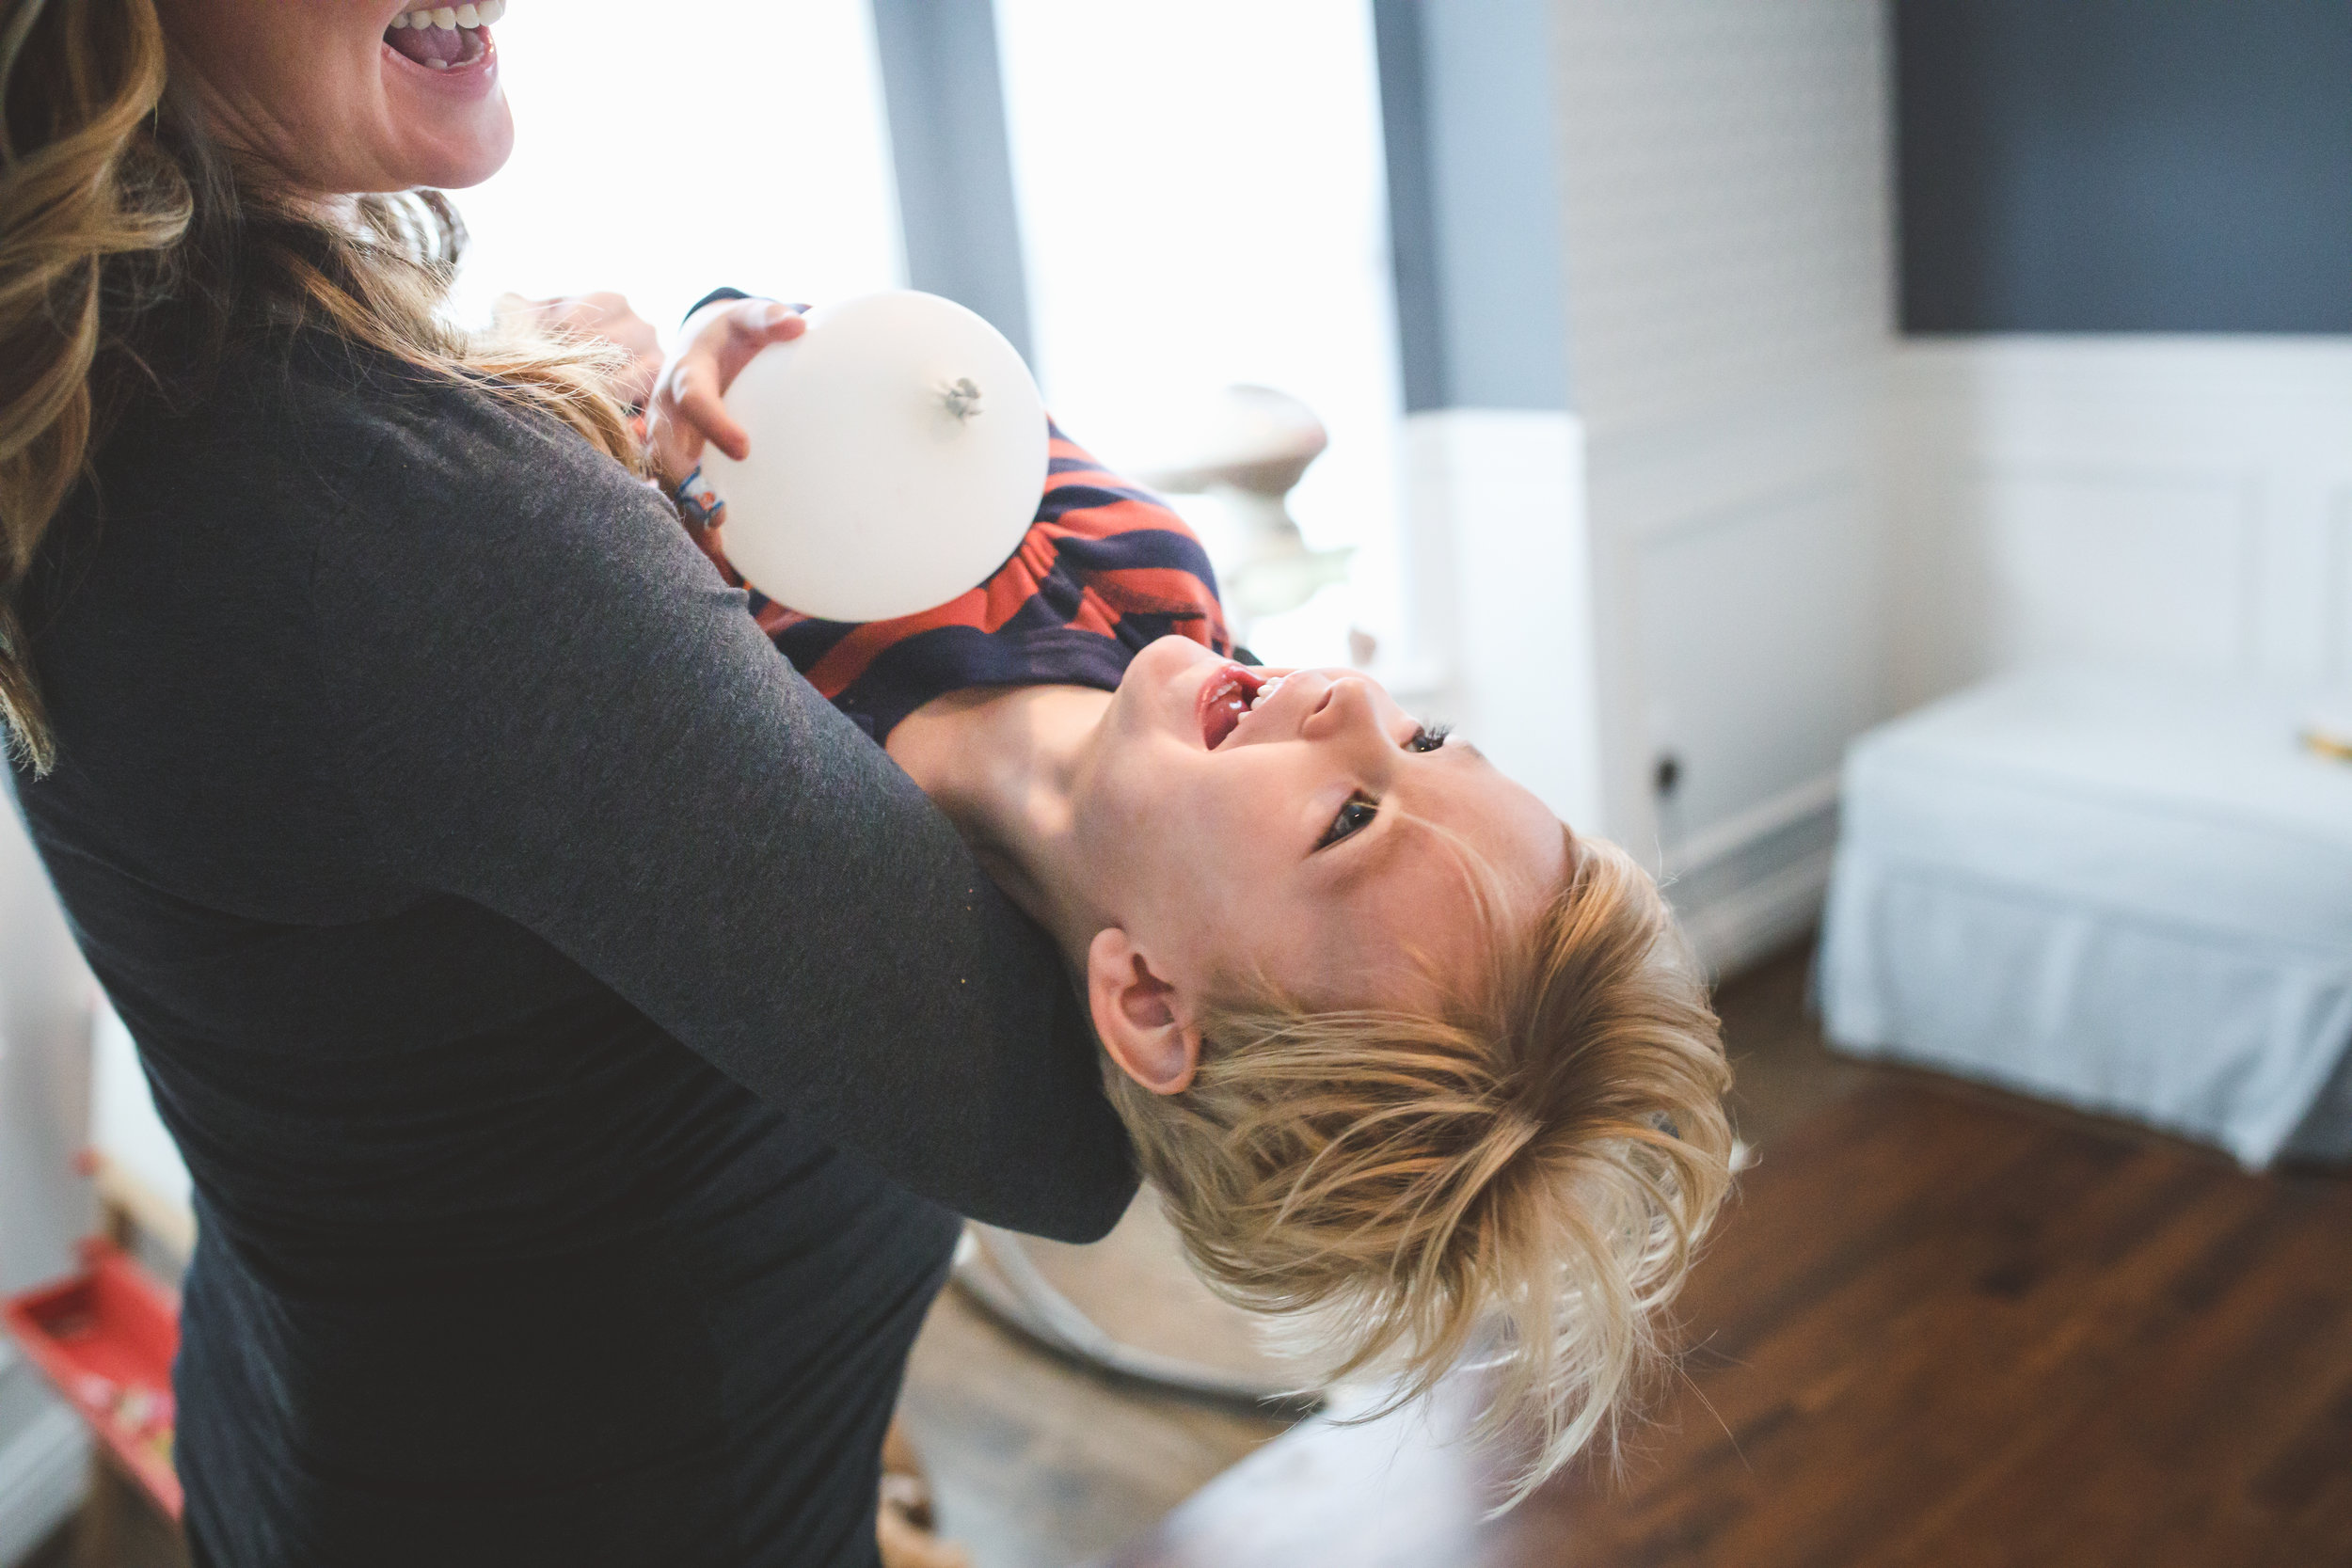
[(1519, 1181), (134, 253)]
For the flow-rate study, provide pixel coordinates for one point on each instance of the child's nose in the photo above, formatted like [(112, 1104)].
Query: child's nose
[(1347, 709)]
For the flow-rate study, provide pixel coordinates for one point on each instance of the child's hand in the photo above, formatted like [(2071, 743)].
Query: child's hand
[(687, 407), (600, 315)]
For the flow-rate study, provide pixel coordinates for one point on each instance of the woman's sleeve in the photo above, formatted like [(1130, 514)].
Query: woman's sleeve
[(556, 709)]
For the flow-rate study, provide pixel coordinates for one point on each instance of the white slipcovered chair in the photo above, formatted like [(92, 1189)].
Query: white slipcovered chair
[(2129, 894)]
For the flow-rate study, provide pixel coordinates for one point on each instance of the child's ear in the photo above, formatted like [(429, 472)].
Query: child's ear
[(1142, 1019)]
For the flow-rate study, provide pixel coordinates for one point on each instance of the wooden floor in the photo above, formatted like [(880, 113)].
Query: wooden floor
[(1942, 1327), (1037, 1464)]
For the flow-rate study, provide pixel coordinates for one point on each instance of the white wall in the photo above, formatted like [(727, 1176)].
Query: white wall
[(2166, 502), (45, 998), (1501, 565), (1724, 166), (44, 1458)]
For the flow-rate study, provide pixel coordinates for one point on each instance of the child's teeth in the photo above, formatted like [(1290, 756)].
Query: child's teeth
[(469, 16), (400, 21)]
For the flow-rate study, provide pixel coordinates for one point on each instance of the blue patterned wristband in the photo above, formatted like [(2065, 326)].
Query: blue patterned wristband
[(698, 502)]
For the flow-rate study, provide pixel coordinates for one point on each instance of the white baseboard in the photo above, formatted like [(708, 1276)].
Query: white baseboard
[(1713, 844), (44, 1464), (1735, 929)]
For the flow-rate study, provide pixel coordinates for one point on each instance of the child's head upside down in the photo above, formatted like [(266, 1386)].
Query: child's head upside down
[(1414, 1066)]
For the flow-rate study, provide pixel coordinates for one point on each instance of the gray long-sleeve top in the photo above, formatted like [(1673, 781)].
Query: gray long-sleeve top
[(440, 821)]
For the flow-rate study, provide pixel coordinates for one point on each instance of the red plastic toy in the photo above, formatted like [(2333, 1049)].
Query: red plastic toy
[(106, 1337)]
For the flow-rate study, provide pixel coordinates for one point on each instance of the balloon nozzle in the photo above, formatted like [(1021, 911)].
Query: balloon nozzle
[(962, 397)]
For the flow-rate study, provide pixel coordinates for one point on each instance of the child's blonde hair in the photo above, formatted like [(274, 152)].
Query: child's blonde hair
[(1520, 1182)]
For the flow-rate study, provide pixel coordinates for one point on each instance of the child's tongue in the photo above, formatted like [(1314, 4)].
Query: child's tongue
[(428, 46)]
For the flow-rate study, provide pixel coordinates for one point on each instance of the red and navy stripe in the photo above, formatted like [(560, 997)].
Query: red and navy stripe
[(1105, 569)]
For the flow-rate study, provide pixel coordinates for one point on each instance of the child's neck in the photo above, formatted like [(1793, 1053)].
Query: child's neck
[(1004, 762)]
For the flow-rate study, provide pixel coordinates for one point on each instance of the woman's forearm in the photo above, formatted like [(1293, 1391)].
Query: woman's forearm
[(560, 713)]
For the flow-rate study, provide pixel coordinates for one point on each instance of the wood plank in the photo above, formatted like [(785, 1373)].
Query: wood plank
[(1940, 1328)]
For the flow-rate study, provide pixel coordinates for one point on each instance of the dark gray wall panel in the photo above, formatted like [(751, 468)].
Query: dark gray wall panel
[(1474, 202), (2103, 165), (1412, 221), (954, 163)]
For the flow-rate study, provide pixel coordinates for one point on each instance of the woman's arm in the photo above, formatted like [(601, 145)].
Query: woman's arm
[(557, 710)]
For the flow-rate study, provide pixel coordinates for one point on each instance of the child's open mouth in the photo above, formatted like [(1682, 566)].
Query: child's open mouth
[(444, 37), (1230, 693)]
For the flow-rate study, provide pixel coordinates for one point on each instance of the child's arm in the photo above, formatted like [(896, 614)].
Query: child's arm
[(606, 316)]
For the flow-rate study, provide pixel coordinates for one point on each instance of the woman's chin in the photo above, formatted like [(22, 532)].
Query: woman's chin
[(455, 156), (485, 155), (450, 135)]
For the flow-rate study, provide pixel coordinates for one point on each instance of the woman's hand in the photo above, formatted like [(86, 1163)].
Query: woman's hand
[(687, 407), (600, 315)]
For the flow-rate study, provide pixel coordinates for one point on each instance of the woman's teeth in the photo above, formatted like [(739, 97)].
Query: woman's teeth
[(443, 35), (452, 16)]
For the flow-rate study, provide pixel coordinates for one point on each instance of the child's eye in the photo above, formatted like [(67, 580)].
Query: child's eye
[(1354, 818), (1429, 738)]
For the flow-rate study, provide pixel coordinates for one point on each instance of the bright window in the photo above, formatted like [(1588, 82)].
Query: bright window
[(1202, 202), (789, 191)]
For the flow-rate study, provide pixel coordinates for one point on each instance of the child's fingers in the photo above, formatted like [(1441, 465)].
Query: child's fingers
[(754, 325), (773, 322), (676, 448), (700, 409), (691, 405)]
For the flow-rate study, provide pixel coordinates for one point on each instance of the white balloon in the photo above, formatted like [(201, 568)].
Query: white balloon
[(898, 450)]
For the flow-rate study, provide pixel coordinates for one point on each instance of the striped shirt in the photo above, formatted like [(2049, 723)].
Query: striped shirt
[(1105, 569)]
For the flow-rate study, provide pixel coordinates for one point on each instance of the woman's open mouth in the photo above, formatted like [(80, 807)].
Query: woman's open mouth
[(444, 37), (1227, 694)]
